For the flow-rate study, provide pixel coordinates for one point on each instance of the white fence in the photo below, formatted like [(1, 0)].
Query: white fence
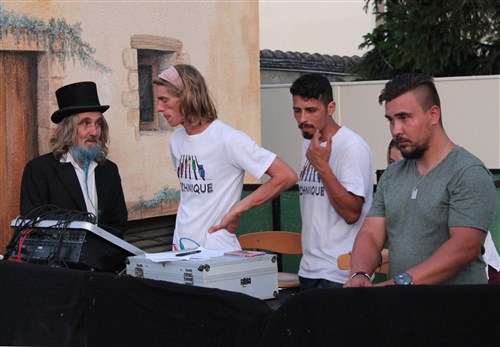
[(470, 111)]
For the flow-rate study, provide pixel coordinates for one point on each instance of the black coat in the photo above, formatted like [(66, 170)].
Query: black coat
[(48, 181)]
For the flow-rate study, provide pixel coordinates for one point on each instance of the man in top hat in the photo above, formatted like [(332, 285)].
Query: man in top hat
[(76, 174)]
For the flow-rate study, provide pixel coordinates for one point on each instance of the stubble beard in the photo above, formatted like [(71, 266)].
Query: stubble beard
[(415, 153)]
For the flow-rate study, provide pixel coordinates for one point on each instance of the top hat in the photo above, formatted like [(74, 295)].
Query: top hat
[(76, 98)]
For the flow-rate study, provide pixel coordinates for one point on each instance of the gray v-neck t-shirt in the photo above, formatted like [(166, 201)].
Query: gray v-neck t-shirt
[(459, 191)]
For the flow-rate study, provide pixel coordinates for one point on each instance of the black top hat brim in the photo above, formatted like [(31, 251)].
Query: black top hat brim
[(73, 110)]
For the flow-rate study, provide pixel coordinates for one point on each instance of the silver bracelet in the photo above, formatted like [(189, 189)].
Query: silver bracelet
[(360, 273)]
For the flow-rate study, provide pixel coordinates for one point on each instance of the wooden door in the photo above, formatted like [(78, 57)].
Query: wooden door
[(18, 130)]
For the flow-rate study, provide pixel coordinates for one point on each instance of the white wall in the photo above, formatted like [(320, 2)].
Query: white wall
[(470, 110), (326, 27)]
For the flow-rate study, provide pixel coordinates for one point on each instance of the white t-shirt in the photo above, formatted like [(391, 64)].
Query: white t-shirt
[(211, 167), (325, 235), (491, 256)]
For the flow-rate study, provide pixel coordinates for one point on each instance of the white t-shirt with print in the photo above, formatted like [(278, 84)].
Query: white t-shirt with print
[(211, 167), (325, 234)]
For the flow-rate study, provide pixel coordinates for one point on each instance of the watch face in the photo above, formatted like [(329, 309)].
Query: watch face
[(404, 279)]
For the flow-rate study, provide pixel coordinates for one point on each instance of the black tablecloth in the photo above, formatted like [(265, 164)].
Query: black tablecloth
[(388, 316), (46, 306)]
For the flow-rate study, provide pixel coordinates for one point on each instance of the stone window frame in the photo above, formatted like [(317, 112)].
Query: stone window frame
[(157, 52)]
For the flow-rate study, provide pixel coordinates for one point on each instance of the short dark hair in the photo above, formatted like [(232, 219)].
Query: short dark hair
[(405, 82), (313, 86), (392, 143)]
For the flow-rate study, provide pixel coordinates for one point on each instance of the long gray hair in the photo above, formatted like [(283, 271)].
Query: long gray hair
[(64, 137)]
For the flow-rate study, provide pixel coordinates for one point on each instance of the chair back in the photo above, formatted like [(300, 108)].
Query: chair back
[(281, 242), (344, 262), (284, 242)]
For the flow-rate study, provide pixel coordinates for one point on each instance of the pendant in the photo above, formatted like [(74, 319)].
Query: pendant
[(414, 193)]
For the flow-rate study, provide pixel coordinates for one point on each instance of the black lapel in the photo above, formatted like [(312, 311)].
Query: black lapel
[(70, 181)]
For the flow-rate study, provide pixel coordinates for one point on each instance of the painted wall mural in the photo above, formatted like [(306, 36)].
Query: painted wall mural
[(61, 39), (121, 46)]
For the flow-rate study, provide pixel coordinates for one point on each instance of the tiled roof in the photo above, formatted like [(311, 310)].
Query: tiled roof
[(279, 60)]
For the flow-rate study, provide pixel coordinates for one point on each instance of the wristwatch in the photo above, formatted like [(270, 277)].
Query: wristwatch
[(403, 279)]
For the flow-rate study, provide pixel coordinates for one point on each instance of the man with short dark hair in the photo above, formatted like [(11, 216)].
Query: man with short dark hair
[(434, 208), (335, 183)]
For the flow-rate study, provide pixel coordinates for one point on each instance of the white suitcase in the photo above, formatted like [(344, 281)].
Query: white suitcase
[(256, 276)]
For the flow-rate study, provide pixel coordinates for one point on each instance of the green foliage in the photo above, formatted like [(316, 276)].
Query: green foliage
[(168, 195), (439, 38), (58, 37)]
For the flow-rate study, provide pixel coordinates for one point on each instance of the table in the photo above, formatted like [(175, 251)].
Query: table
[(40, 305), (45, 306)]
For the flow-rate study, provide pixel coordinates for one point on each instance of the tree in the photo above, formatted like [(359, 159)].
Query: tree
[(439, 38)]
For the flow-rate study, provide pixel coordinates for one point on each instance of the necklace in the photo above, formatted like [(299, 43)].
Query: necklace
[(414, 191)]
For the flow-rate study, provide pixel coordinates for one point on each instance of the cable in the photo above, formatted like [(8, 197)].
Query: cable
[(27, 228), (21, 241), (188, 239)]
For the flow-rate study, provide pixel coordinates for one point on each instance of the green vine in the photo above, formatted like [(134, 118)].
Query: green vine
[(168, 195), (56, 36)]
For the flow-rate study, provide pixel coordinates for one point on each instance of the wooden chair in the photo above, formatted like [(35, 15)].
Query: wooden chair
[(280, 242), (344, 262)]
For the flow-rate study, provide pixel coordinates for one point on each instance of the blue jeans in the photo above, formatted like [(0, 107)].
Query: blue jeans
[(317, 283)]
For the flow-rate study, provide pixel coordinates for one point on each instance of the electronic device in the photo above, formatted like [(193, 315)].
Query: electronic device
[(76, 244)]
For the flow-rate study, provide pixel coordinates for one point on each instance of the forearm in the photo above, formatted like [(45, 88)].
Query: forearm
[(366, 254), (263, 194), (365, 257), (346, 204), (450, 258), (266, 192), (282, 178)]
